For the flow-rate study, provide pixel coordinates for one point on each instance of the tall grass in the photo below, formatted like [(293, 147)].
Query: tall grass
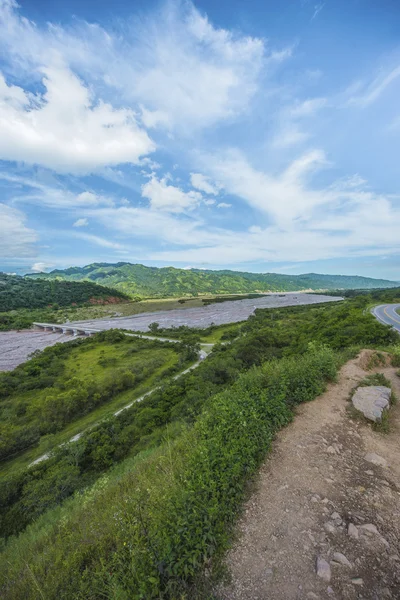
[(154, 525)]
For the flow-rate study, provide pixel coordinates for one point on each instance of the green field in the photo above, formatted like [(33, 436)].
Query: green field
[(83, 365)]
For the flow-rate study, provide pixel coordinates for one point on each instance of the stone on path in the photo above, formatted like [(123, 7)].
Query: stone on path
[(372, 401), (375, 459), (323, 569), (352, 531), (341, 558)]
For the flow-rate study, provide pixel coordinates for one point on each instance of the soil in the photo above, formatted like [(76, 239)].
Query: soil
[(314, 485)]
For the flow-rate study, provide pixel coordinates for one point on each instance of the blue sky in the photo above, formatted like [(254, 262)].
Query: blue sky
[(258, 135)]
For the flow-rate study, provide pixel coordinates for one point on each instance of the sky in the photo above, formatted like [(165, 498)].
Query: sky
[(254, 135)]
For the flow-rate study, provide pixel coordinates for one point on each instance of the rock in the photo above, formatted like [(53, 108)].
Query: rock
[(375, 459), (352, 531), (340, 558), (369, 528), (330, 528), (369, 472), (330, 450), (312, 596), (357, 581), (372, 401), (323, 569), (336, 517)]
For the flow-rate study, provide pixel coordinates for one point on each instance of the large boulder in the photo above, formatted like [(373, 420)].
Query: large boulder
[(372, 401)]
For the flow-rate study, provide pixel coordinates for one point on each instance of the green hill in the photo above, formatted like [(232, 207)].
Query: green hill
[(22, 292), (164, 282)]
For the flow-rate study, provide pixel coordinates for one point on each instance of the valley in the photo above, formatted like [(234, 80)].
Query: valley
[(118, 418)]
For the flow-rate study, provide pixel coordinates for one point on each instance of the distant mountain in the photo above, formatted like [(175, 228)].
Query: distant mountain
[(155, 282), (21, 292)]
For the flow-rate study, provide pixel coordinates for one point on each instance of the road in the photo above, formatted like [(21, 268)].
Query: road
[(387, 314)]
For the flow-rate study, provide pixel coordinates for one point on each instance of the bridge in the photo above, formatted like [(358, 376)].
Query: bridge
[(65, 328)]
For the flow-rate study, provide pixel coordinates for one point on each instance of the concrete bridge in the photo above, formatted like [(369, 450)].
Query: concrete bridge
[(65, 328)]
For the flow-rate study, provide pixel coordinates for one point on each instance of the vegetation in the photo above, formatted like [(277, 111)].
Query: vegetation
[(146, 530), (67, 381), (144, 281), (18, 293), (142, 505)]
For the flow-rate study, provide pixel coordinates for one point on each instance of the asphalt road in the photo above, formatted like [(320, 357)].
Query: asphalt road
[(386, 313)]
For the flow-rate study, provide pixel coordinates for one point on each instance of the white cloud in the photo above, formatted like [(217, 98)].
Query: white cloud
[(65, 128), (223, 205), (81, 223), (283, 197), (317, 9), (97, 240), (178, 69), (51, 196), (41, 267), (290, 134), (307, 108), (362, 94), (16, 239), (202, 183), (169, 198)]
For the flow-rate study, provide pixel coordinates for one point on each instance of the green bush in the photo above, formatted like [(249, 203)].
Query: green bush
[(152, 526)]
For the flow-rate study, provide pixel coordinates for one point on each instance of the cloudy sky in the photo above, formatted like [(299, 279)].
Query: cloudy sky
[(257, 135)]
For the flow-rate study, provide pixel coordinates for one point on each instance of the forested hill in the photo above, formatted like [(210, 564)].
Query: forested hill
[(20, 292), (168, 281)]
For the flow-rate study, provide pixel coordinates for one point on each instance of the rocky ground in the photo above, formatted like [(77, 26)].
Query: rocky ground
[(16, 346), (324, 521)]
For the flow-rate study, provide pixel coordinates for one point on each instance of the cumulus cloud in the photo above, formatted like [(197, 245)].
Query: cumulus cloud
[(169, 198), (65, 128), (223, 205), (81, 223), (16, 239)]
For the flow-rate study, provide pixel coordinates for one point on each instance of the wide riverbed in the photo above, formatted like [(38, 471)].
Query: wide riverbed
[(16, 346), (220, 313)]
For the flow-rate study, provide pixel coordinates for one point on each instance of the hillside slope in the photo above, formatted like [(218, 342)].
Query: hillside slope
[(169, 281), (20, 292)]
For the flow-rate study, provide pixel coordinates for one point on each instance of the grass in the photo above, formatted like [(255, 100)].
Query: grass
[(83, 365), (219, 331), (152, 528)]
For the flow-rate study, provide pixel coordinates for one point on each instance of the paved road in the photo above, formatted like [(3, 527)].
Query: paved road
[(387, 314)]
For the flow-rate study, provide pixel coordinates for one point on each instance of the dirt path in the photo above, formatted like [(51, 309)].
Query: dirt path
[(315, 484)]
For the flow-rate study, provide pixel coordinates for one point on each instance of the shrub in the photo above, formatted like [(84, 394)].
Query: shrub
[(154, 525)]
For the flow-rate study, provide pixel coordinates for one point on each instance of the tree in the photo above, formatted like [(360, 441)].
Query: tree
[(154, 327)]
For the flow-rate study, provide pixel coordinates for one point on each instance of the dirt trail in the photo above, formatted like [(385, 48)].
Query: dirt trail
[(316, 483)]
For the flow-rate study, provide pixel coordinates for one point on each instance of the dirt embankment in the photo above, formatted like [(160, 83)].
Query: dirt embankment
[(321, 505)]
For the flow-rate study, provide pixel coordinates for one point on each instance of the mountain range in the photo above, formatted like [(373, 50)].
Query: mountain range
[(144, 282)]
